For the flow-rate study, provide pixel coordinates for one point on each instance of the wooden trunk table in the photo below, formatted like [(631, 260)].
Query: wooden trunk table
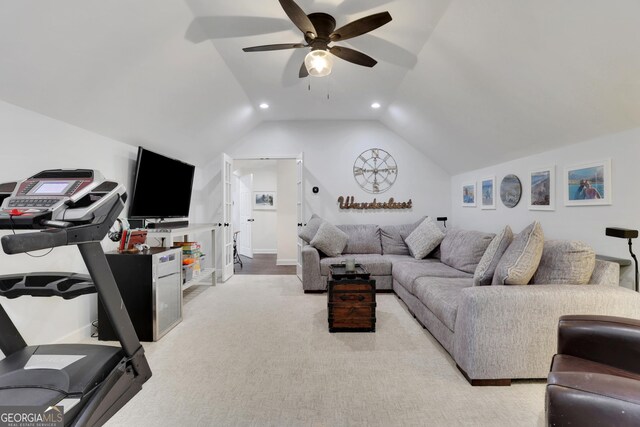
[(351, 300)]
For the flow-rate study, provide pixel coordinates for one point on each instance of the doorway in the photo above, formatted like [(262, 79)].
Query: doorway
[(264, 212)]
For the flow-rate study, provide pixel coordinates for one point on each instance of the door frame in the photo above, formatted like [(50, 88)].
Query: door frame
[(295, 157)]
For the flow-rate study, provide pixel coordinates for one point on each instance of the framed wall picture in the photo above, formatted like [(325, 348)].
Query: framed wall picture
[(588, 184), (265, 200), (469, 194), (510, 191), (542, 189), (488, 193)]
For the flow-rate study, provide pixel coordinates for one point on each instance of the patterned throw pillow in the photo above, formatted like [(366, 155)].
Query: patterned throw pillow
[(565, 262), (424, 238), (522, 257), (310, 230), (489, 261), (329, 239)]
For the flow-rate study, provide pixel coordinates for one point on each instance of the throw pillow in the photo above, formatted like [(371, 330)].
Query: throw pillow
[(521, 259), (491, 258), (565, 263), (310, 230), (463, 249), (329, 239), (424, 238)]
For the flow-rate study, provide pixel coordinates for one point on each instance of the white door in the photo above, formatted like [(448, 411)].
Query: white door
[(245, 188), (227, 228), (300, 209)]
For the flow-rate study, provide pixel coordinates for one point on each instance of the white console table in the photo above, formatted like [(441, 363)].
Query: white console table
[(168, 235)]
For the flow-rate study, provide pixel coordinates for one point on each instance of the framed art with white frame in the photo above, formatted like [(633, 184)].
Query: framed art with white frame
[(588, 184), (264, 200), (488, 193), (469, 194), (542, 189)]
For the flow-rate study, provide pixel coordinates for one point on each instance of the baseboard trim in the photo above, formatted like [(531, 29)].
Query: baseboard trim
[(78, 335), (265, 251), (285, 261)]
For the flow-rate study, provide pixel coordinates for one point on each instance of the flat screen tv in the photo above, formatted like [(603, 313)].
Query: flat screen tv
[(161, 188)]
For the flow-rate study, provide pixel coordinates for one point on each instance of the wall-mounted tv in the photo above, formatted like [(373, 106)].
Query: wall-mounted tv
[(161, 188)]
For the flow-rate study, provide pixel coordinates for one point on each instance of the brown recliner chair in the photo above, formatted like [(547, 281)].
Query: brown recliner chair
[(595, 377)]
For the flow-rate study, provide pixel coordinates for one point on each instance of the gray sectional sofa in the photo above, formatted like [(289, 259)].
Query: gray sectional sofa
[(494, 333)]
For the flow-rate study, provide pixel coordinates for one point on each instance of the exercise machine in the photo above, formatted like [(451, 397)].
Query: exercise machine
[(91, 382)]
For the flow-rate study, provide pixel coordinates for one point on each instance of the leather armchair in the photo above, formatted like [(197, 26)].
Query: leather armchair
[(595, 377)]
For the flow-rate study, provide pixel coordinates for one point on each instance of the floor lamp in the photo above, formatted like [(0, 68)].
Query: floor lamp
[(625, 233)]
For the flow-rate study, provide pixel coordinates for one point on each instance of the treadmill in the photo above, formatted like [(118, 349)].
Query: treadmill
[(87, 383)]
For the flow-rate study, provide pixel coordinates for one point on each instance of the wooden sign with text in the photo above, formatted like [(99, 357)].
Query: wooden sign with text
[(349, 203)]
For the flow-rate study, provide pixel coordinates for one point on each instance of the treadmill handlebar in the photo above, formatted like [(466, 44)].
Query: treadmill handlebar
[(27, 242), (54, 237)]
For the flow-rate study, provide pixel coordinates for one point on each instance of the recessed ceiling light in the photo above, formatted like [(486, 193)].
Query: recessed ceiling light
[(375, 105), (264, 105)]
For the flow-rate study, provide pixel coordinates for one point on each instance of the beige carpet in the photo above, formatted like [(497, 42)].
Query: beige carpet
[(255, 351)]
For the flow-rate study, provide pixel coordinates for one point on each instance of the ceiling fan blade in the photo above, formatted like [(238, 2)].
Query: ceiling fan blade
[(298, 17), (268, 47), (361, 26), (303, 71), (353, 56)]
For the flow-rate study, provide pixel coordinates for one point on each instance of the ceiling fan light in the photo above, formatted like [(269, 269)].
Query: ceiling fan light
[(319, 63)]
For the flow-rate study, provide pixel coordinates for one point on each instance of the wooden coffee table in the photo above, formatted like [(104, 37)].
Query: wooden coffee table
[(351, 300)]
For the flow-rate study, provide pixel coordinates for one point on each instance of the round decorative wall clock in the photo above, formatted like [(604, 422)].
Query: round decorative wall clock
[(375, 170), (510, 190)]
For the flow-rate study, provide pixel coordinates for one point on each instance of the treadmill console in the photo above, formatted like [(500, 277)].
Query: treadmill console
[(70, 196)]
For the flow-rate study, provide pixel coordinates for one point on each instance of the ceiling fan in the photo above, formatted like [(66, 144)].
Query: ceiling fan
[(319, 30)]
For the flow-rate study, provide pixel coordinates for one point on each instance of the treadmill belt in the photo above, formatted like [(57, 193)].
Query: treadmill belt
[(66, 369)]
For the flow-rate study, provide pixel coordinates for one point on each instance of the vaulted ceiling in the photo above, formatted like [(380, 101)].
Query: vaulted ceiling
[(468, 82)]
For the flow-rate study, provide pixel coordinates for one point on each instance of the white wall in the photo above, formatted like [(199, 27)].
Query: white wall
[(580, 223), (287, 215), (330, 149), (31, 143)]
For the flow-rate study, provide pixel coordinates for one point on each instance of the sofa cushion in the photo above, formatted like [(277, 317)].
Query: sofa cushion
[(441, 296), (491, 258), (363, 239), (375, 264), (405, 273), (463, 249), (565, 262), (393, 236), (309, 231), (329, 239), (522, 257), (406, 258), (424, 239)]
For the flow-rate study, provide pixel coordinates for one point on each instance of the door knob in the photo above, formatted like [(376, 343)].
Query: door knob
[(251, 220), (299, 224), (226, 224)]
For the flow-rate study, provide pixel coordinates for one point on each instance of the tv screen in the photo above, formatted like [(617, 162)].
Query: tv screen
[(162, 187)]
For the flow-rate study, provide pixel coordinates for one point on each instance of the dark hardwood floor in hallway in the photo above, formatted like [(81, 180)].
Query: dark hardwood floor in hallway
[(263, 264)]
